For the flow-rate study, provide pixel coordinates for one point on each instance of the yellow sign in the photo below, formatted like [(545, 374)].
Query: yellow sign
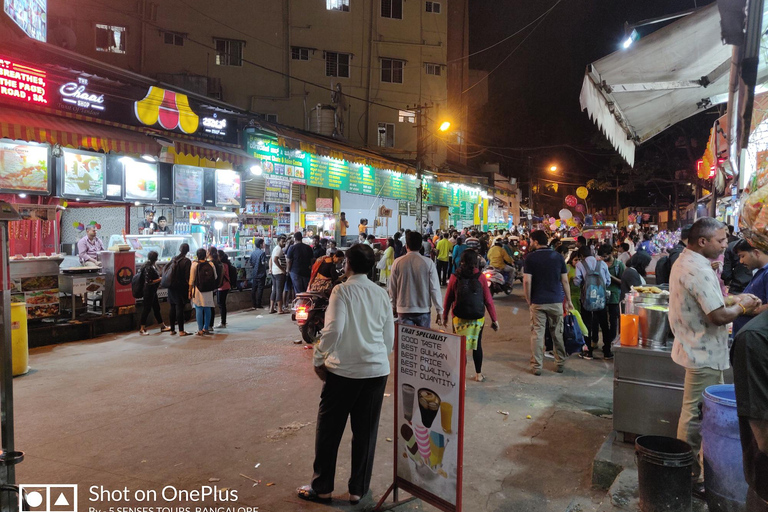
[(170, 109)]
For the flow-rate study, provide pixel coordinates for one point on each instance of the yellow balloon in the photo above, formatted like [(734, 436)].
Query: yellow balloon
[(570, 222), (582, 192)]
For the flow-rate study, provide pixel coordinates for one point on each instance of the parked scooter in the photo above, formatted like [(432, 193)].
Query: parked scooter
[(496, 282), (309, 313)]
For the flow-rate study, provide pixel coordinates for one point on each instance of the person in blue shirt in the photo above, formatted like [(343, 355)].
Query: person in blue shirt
[(259, 260), (756, 261), (646, 245), (594, 320)]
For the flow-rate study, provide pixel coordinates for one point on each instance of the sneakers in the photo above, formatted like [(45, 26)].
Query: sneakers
[(536, 371), (221, 326), (608, 355), (549, 354), (586, 355)]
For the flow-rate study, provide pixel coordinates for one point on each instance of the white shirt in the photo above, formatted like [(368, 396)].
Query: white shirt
[(277, 253), (694, 292), (359, 330), (412, 282), (624, 257)]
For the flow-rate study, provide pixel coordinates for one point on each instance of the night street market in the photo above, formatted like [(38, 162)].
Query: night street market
[(330, 201)]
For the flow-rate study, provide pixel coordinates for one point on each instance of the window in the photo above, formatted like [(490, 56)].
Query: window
[(110, 38), (337, 64), (433, 69), (229, 52), (299, 53), (433, 7), (392, 71), (173, 38), (270, 118), (406, 116), (337, 5), (386, 135), (392, 9)]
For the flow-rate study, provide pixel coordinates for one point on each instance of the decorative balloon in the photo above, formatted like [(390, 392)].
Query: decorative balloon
[(571, 200), (582, 192), (631, 217), (580, 208), (552, 220), (570, 222), (558, 223), (565, 214)]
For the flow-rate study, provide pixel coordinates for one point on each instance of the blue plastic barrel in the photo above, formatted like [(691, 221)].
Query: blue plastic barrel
[(724, 480)]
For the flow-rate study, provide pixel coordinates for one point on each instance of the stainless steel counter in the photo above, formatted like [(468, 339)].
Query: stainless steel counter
[(647, 391)]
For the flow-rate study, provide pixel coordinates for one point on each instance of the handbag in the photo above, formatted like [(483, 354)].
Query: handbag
[(572, 335)]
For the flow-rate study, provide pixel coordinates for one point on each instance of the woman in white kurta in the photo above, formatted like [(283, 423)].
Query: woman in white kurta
[(202, 301)]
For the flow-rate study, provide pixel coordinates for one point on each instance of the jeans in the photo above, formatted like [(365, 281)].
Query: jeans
[(442, 271), (540, 315), (417, 319), (151, 304), (177, 300), (278, 282), (359, 400), (222, 300), (689, 424), (203, 317), (300, 283), (257, 290), (343, 241)]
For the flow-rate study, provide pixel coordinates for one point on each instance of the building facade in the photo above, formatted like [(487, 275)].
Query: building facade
[(357, 70)]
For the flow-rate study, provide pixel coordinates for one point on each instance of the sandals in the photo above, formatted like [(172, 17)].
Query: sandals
[(307, 493), (184, 333), (173, 333), (480, 378), (165, 328), (144, 332)]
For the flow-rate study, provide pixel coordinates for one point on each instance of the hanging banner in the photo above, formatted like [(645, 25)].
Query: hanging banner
[(429, 415), (277, 190)]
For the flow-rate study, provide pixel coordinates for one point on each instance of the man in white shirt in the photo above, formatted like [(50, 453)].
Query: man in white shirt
[(698, 317), (412, 283), (277, 267), (352, 358)]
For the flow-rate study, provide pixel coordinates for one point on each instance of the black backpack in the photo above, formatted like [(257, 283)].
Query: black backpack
[(232, 275), (169, 275), (205, 277), (137, 283), (663, 269), (470, 301)]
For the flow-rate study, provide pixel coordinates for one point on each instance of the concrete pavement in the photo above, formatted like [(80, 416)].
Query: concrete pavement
[(238, 410)]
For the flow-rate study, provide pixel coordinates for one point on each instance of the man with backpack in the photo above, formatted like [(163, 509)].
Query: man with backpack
[(545, 281), (593, 277), (259, 277)]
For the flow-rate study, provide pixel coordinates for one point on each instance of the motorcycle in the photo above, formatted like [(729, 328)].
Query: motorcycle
[(309, 313), (496, 282)]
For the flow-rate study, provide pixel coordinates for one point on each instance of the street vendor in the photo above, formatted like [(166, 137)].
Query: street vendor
[(162, 226), (148, 222), (88, 248)]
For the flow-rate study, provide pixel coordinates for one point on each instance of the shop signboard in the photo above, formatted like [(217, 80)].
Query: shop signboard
[(21, 83), (402, 208), (429, 415), (30, 15), (324, 204), (326, 172), (140, 180), (79, 96), (84, 174), (396, 186), (277, 190), (467, 211), (362, 180), (279, 161), (24, 168), (229, 188), (188, 185)]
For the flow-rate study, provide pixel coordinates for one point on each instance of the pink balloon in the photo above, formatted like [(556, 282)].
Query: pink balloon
[(580, 208), (571, 200)]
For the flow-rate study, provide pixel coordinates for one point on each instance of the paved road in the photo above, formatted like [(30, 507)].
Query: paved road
[(144, 413)]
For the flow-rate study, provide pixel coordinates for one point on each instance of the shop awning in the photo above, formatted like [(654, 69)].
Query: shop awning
[(663, 78), (51, 129), (211, 152)]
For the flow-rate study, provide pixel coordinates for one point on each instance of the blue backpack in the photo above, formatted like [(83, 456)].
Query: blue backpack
[(593, 289)]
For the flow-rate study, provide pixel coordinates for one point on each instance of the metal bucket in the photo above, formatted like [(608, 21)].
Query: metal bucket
[(635, 300), (654, 325)]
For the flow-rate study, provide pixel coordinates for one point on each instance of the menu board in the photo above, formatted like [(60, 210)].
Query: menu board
[(327, 172), (277, 190), (84, 174), (188, 185), (140, 180), (229, 190), (396, 186), (24, 168), (362, 180)]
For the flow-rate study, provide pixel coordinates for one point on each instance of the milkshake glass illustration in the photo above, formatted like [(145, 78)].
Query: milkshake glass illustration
[(408, 394), (422, 441), (429, 404), (446, 414)]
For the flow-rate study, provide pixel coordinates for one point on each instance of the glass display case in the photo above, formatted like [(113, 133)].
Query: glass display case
[(167, 246)]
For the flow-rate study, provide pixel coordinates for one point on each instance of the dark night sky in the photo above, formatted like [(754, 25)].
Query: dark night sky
[(534, 95)]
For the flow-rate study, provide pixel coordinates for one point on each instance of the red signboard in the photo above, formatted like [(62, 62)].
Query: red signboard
[(23, 83)]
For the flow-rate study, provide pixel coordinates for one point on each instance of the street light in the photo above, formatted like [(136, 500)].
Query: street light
[(445, 126), (553, 168)]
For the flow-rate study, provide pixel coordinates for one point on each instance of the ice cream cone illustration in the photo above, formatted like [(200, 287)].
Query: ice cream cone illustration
[(422, 440), (429, 404), (410, 441)]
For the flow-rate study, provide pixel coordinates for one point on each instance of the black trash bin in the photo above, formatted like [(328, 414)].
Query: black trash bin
[(664, 474)]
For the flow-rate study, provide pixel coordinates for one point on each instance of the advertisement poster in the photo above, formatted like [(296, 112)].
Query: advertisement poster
[(140, 180), (324, 204), (429, 418), (83, 174), (30, 15), (24, 168), (228, 188), (188, 185), (277, 190)]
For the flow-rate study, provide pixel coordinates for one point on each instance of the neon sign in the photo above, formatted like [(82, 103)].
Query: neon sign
[(77, 94), (214, 125), (22, 82)]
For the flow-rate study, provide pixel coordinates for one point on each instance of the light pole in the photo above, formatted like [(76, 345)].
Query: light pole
[(443, 127)]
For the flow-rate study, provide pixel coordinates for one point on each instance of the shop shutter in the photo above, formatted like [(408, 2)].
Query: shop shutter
[(295, 192), (254, 188)]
